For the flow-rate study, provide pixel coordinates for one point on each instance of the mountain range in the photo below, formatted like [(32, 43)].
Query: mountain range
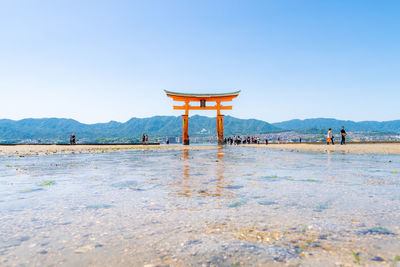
[(161, 126)]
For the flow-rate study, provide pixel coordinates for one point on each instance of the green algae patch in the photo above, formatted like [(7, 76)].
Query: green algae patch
[(48, 183), (308, 180), (397, 258), (31, 190), (356, 256)]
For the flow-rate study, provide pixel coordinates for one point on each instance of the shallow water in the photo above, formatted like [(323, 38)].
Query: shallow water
[(222, 207)]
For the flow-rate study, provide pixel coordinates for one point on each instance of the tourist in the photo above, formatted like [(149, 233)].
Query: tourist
[(143, 139), (330, 137), (300, 140), (167, 141), (343, 135), (279, 140), (147, 139), (266, 140), (72, 139)]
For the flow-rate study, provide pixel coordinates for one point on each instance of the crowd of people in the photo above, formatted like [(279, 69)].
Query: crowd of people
[(238, 140)]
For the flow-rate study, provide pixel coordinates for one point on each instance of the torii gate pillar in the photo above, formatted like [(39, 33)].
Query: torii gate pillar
[(185, 136), (220, 129), (203, 98)]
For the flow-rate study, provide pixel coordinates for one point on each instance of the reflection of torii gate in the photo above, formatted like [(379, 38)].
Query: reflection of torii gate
[(202, 98)]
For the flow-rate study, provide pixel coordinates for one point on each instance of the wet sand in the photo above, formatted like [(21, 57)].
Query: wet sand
[(389, 148), (198, 206), (67, 149)]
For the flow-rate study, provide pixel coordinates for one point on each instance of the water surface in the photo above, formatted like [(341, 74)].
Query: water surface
[(222, 207)]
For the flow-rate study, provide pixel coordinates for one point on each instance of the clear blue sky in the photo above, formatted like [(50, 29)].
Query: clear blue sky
[(97, 61)]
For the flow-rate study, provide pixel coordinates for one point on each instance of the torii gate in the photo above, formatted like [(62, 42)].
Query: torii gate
[(203, 99)]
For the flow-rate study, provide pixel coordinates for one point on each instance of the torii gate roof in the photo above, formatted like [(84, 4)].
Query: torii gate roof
[(211, 97)]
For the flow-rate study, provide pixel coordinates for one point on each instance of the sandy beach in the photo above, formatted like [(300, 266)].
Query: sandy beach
[(389, 148)]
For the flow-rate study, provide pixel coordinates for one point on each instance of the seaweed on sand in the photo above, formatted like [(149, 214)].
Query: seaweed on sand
[(48, 183), (356, 256)]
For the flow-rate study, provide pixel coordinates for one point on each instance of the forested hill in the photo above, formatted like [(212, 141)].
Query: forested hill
[(161, 126), (60, 129)]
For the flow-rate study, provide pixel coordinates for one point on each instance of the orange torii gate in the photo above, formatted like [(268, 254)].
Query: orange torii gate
[(203, 99)]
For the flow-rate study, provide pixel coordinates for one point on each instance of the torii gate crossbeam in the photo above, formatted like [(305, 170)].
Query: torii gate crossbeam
[(203, 99)]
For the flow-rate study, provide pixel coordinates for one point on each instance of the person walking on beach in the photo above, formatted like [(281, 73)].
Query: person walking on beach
[(343, 135), (143, 139), (266, 140), (147, 139), (72, 139), (279, 140), (330, 137)]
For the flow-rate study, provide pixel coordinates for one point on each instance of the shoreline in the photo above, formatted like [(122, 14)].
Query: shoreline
[(37, 149)]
